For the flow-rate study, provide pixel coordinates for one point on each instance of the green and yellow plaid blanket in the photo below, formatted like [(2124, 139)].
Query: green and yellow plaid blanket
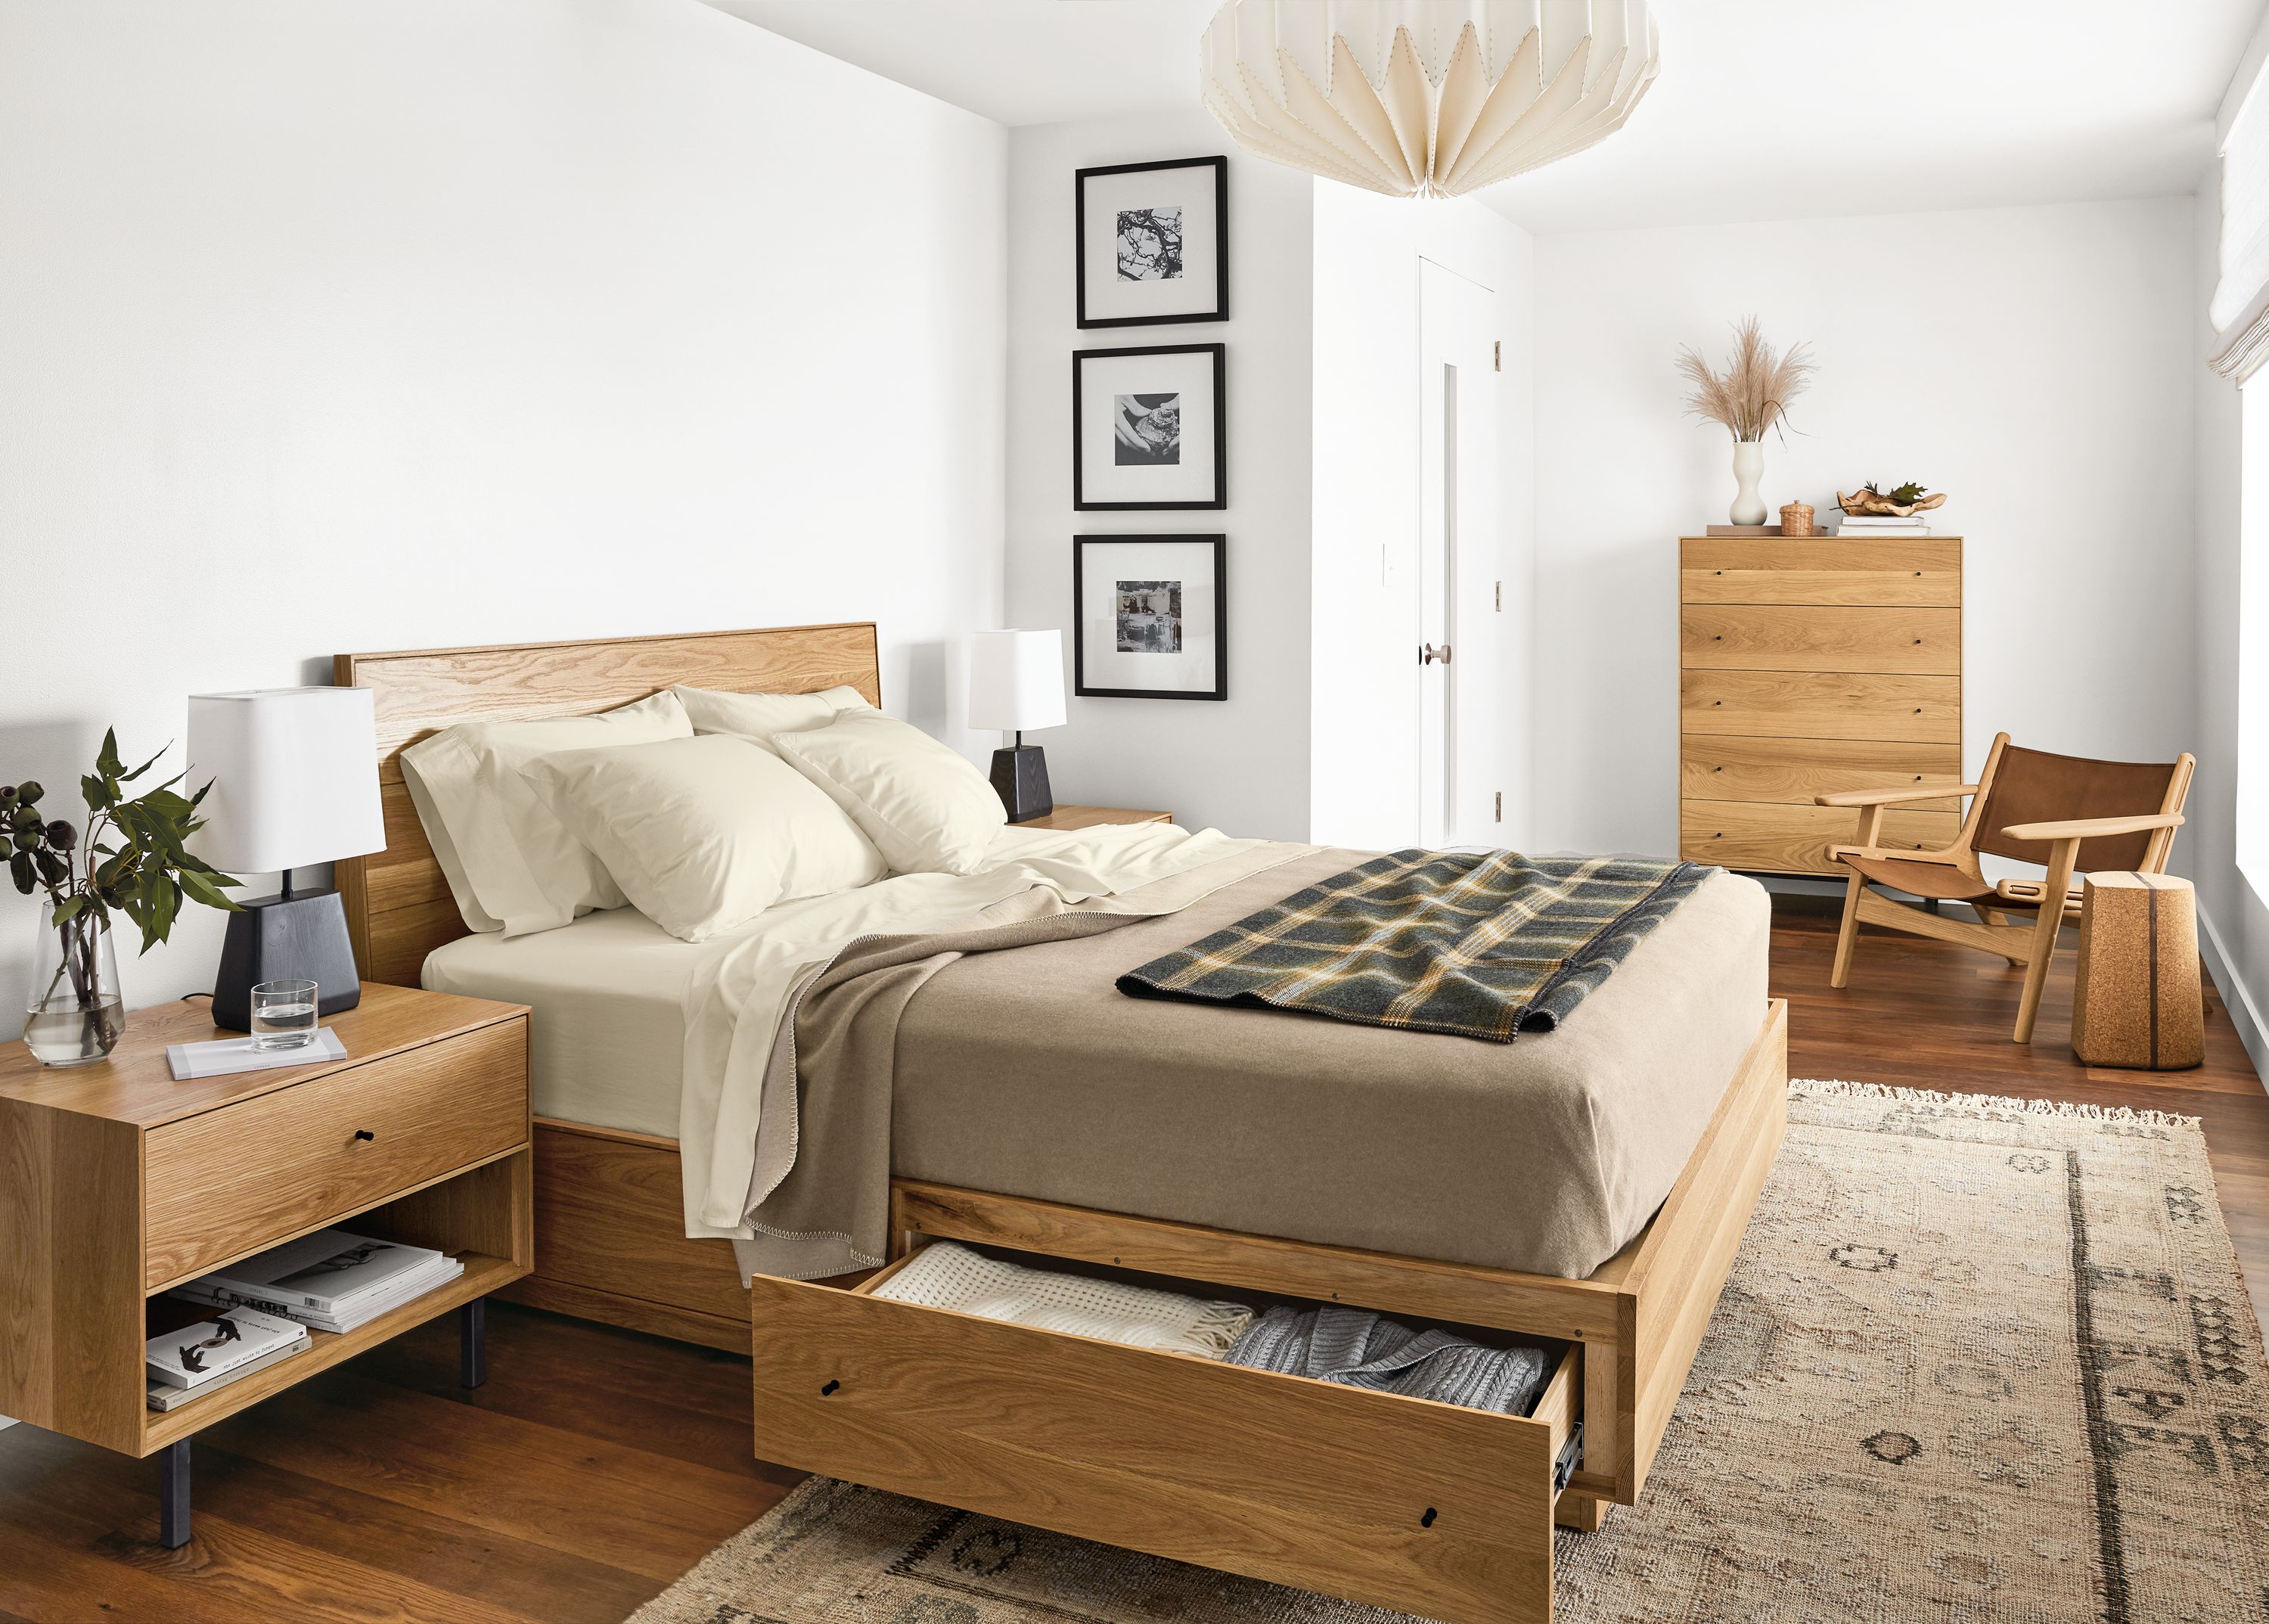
[(1484, 945)]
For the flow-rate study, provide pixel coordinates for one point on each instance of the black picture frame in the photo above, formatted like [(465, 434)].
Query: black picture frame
[(1220, 311), (1219, 546), (1220, 499)]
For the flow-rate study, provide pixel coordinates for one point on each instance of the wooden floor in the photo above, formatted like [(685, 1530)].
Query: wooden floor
[(598, 1465)]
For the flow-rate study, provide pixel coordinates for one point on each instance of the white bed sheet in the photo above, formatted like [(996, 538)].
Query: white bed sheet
[(608, 1040), (609, 994)]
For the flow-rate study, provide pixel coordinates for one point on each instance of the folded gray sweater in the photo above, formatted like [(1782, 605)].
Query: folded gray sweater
[(1362, 1350)]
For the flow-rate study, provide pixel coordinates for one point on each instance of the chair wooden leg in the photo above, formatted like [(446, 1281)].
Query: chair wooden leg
[(2044, 938), (1848, 938)]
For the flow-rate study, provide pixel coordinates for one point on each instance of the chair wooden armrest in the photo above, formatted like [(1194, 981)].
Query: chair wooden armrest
[(2090, 828), (1890, 797)]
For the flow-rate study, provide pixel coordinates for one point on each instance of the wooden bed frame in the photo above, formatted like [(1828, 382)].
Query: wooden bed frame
[(610, 1244)]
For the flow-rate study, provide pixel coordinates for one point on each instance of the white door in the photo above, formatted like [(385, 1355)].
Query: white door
[(1455, 650)]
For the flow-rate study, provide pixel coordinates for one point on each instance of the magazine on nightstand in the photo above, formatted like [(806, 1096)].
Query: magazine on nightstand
[(333, 1280), (198, 1354), (165, 1396)]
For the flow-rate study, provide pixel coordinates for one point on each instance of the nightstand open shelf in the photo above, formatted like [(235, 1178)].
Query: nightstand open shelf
[(118, 1184)]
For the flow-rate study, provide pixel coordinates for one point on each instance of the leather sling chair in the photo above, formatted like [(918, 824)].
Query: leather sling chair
[(2068, 813)]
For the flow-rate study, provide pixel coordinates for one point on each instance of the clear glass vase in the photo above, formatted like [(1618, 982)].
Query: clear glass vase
[(75, 1012)]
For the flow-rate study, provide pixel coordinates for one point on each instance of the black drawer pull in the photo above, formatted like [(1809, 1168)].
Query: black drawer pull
[(1427, 1521), (365, 1135), (829, 1388)]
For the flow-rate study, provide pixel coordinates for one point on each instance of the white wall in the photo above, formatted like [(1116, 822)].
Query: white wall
[(1241, 765), (1364, 762), (334, 328), (2234, 924), (2037, 363)]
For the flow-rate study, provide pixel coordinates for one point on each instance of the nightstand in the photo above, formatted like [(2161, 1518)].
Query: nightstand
[(1089, 817), (117, 1183)]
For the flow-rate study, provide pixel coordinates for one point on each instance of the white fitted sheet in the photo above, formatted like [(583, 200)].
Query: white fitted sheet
[(607, 1039)]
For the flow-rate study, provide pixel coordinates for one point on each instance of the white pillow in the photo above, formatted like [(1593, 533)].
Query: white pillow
[(758, 717), (920, 802), (703, 834), (524, 870)]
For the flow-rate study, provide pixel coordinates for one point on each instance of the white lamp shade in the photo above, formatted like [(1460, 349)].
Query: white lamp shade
[(294, 775), (1015, 680)]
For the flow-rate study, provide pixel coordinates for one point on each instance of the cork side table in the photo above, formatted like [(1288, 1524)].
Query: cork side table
[(2137, 1001)]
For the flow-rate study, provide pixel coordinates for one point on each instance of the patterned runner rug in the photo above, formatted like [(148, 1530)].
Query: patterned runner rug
[(1979, 1360)]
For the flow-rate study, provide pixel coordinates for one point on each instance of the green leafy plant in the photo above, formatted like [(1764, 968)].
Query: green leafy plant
[(130, 858)]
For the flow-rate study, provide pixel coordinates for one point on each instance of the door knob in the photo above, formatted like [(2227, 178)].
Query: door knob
[(1428, 654)]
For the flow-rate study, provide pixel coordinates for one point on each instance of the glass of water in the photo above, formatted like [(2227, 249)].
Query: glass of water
[(283, 1014)]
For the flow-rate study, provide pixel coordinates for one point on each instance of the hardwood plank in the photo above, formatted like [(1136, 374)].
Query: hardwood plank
[(1804, 636), (1794, 840), (1717, 767), (1816, 704)]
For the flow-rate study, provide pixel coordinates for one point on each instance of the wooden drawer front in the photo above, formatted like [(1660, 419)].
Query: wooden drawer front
[(1422, 1507), (1711, 768), (1814, 704), (233, 1180), (1750, 637), (1784, 840), (1737, 569)]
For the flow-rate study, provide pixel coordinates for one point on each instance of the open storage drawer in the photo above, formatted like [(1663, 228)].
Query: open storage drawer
[(1402, 1503)]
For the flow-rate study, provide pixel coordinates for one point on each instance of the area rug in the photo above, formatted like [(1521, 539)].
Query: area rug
[(1979, 1360)]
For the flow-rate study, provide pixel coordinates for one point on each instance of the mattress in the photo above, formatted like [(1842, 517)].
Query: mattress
[(608, 1037), (1027, 1072)]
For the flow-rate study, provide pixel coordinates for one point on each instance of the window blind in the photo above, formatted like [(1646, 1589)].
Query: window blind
[(2240, 308)]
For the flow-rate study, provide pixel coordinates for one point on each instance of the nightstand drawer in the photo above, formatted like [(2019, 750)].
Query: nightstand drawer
[(234, 1180)]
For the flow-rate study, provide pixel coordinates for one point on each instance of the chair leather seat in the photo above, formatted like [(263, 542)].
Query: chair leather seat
[(1941, 880)]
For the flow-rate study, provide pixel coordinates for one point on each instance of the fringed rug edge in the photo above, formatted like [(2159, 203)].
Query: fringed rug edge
[(1993, 1101)]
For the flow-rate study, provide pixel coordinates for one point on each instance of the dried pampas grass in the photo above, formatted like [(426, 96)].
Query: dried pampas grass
[(1753, 391)]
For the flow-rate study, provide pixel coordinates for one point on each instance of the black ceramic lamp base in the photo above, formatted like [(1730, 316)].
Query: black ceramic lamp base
[(300, 937), (1020, 778)]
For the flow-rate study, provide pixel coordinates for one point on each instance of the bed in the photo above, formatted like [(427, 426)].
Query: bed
[(1391, 1501)]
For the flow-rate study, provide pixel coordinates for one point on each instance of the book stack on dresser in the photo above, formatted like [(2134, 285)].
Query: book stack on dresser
[(1810, 665)]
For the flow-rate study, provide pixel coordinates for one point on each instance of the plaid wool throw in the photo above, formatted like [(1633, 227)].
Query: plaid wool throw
[(1484, 945)]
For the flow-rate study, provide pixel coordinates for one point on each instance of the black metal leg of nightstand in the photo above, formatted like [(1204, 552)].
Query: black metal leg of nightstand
[(173, 1495), (473, 1342)]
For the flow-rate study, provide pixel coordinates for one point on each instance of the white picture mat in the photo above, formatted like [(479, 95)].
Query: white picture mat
[(1103, 565), (1101, 381), (1191, 189)]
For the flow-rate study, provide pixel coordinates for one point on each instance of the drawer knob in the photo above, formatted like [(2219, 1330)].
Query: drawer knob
[(831, 1385), (365, 1135), (1427, 1521)]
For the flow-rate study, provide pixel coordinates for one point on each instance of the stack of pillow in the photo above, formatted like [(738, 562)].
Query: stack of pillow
[(700, 810)]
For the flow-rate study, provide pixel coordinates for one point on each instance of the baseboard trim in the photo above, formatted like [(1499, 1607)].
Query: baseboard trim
[(2245, 1014)]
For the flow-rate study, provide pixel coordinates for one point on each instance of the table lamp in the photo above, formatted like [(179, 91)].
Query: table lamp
[(294, 774), (1016, 683)]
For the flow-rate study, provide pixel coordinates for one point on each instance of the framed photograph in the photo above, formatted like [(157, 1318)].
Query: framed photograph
[(1154, 242), (1149, 616), (1149, 428)]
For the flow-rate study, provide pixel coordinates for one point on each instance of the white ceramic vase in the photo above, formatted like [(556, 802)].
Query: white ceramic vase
[(1748, 470)]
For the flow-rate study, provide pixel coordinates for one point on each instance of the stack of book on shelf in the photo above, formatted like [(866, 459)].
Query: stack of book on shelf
[(1881, 524), (188, 1364), (331, 1279)]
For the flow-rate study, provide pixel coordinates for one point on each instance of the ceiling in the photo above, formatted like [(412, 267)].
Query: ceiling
[(1766, 109)]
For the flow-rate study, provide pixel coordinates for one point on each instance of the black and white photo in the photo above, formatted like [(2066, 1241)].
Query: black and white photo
[(1150, 616), (1153, 242), (1148, 428)]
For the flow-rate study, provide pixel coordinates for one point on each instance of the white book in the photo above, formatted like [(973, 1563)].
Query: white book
[(368, 1309), (212, 1348), (326, 1272), (364, 1307), (164, 1395)]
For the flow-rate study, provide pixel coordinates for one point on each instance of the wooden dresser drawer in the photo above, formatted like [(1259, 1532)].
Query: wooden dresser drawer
[(1822, 705), (1820, 571), (1793, 637), (228, 1181), (1712, 767), (1757, 835), (1399, 1502)]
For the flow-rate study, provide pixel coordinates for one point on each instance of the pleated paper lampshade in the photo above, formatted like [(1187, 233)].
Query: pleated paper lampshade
[(1420, 97)]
